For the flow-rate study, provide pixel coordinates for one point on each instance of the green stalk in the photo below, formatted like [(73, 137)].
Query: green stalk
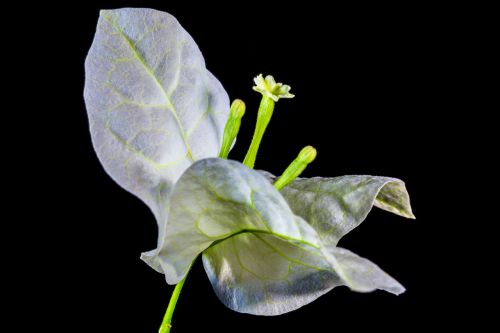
[(263, 117), (166, 324)]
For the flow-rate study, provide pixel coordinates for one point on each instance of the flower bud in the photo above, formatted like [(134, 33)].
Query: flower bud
[(232, 127), (237, 109), (306, 156)]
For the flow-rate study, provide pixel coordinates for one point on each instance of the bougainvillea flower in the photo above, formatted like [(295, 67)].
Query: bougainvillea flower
[(157, 118)]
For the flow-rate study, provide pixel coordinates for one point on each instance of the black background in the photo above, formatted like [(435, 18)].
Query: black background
[(373, 86)]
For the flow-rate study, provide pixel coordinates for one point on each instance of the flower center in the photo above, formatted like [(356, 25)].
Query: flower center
[(271, 93)]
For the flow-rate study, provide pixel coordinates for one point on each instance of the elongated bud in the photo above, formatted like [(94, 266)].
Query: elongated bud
[(232, 127), (271, 93), (306, 156), (238, 109)]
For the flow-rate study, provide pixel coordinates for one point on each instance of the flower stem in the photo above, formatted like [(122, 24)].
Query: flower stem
[(166, 324), (263, 117)]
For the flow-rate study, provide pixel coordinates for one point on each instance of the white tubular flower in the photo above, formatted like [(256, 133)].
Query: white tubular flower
[(269, 88)]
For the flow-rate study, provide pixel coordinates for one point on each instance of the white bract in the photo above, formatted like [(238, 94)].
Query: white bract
[(153, 107), (156, 117)]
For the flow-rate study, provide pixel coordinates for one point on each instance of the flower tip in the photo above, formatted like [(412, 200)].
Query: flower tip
[(269, 88), (307, 154), (238, 108)]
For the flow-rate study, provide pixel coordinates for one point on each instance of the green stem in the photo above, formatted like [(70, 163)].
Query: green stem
[(166, 324), (292, 172), (263, 117)]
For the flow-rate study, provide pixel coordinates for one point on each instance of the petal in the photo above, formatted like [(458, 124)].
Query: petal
[(271, 83), (153, 107), (216, 199)]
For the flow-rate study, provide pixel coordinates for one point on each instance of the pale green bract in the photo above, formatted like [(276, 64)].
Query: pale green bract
[(216, 199), (335, 206), (156, 118), (153, 107), (260, 257)]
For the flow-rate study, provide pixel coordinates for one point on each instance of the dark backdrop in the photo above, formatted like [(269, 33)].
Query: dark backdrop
[(371, 85)]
